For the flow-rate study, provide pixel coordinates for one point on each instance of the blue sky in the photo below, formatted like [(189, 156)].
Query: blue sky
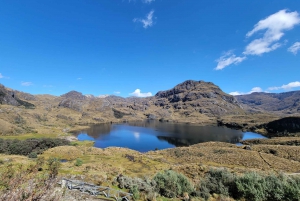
[(140, 47)]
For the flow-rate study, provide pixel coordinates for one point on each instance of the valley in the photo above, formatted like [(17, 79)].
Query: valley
[(25, 116)]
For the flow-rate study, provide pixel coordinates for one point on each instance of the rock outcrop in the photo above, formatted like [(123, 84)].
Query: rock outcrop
[(204, 97), (9, 97)]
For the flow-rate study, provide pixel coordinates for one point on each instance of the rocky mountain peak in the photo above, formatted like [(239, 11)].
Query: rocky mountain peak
[(75, 95)]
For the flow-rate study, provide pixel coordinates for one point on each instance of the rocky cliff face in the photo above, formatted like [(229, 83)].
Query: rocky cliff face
[(204, 97), (73, 100), (9, 97)]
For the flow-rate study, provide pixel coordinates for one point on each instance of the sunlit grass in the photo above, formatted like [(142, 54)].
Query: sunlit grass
[(30, 135)]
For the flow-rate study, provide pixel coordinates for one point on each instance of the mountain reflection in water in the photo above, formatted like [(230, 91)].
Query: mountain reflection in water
[(149, 135)]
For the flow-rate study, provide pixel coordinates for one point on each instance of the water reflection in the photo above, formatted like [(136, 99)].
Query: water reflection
[(150, 135)]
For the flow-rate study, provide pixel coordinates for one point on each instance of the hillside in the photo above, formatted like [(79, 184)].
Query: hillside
[(190, 101), (282, 103)]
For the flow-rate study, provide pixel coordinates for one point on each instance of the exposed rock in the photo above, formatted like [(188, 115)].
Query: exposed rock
[(9, 97), (198, 95), (71, 104), (74, 95)]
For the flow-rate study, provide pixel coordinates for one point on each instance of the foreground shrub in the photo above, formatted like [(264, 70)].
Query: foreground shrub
[(219, 181), (252, 186), (27, 183), (135, 192), (53, 166), (171, 184), (138, 185)]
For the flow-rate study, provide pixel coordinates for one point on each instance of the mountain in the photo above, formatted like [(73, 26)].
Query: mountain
[(9, 97), (203, 97), (188, 102), (282, 103)]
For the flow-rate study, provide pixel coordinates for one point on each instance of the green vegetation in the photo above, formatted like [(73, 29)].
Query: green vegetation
[(20, 182), (29, 147), (249, 186), (78, 162), (172, 184)]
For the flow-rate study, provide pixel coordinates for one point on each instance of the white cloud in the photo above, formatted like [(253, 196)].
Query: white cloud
[(79, 78), (294, 48), (1, 76), (235, 93), (138, 93), (26, 84), (274, 27), (286, 86), (147, 1), (254, 89), (148, 21), (117, 92), (48, 86), (227, 59)]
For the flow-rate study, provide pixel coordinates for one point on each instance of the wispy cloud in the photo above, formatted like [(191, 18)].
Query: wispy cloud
[(286, 86), (254, 89), (274, 27), (3, 77), (79, 78), (138, 93), (294, 48), (148, 21), (148, 1), (26, 84), (227, 59), (117, 92)]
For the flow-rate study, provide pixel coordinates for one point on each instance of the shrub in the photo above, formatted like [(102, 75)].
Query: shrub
[(171, 184), (32, 155), (292, 189), (25, 147), (78, 162), (251, 186), (27, 183), (135, 192), (219, 181), (53, 166)]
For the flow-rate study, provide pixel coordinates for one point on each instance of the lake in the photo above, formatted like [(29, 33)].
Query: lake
[(150, 135)]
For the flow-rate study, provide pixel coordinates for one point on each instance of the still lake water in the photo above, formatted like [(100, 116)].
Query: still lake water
[(151, 135)]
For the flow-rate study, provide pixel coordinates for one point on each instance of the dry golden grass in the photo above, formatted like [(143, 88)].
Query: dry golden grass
[(292, 141), (282, 151)]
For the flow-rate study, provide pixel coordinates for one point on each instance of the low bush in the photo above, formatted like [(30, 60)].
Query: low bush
[(78, 162), (25, 147), (250, 186), (171, 184), (138, 186), (32, 155), (20, 182), (219, 181)]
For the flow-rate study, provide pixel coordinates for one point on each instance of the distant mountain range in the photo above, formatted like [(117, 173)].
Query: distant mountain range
[(190, 101), (284, 103)]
